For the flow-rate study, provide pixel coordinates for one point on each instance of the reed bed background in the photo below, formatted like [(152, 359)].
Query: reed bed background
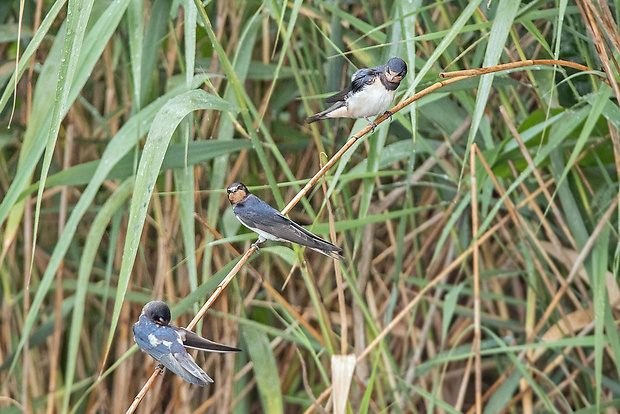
[(130, 118)]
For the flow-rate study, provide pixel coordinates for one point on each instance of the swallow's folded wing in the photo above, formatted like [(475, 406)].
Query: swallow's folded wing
[(182, 364), (338, 96)]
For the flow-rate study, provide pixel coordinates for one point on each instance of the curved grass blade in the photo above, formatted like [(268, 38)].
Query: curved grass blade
[(160, 134), (135, 25), (198, 152)]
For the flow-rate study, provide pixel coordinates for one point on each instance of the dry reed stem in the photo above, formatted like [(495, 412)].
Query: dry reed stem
[(578, 263), (514, 65), (476, 266), (587, 10), (455, 263), (339, 284), (453, 77), (512, 212)]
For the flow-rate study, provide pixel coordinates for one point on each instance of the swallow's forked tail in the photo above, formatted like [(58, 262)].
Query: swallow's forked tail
[(326, 248), (317, 117), (324, 114)]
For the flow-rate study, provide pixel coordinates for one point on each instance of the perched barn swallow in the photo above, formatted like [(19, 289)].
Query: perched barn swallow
[(270, 224), (166, 343), (370, 93)]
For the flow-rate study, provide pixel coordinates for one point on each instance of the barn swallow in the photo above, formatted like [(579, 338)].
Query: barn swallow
[(270, 224), (370, 93), (166, 343)]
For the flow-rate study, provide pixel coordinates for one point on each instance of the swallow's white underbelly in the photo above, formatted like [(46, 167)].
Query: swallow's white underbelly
[(264, 235), (372, 100)]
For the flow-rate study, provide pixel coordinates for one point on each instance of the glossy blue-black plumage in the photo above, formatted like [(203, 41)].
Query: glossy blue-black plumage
[(270, 224), (370, 93), (166, 343)]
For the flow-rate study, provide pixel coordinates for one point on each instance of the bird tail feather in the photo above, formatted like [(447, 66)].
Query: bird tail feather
[(323, 114), (329, 250), (317, 117)]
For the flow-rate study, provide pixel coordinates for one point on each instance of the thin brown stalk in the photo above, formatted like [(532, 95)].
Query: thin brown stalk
[(476, 266), (588, 10), (19, 36), (62, 217), (145, 388), (513, 65), (464, 384), (339, 285), (578, 263), (436, 280), (28, 253)]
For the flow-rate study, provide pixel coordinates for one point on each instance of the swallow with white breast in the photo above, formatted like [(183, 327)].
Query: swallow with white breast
[(371, 92), (270, 224), (166, 343)]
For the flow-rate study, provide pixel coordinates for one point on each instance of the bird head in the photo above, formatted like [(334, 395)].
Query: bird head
[(395, 70), (237, 192), (158, 312)]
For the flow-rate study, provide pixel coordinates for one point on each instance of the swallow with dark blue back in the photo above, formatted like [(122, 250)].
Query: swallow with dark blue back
[(166, 343), (371, 92), (270, 224)]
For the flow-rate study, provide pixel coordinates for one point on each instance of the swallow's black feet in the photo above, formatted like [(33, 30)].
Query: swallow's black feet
[(389, 114), (257, 244)]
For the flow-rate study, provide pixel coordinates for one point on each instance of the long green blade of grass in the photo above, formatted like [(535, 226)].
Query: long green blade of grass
[(163, 126)]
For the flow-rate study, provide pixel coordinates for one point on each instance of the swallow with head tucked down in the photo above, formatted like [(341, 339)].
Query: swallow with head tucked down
[(371, 92), (166, 343), (270, 224)]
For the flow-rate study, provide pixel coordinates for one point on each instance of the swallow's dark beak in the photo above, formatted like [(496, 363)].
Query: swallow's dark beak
[(393, 76)]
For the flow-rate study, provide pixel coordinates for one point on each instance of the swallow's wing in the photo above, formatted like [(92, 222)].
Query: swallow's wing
[(359, 80), (182, 364), (273, 222), (295, 233), (165, 346), (364, 77), (192, 340), (338, 96)]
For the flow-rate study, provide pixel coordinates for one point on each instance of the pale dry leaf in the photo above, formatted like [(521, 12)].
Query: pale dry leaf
[(342, 373), (570, 324)]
